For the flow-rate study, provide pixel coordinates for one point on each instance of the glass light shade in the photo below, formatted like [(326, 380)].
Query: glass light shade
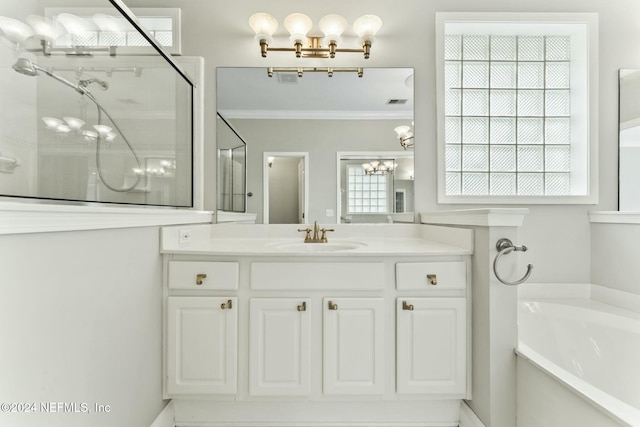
[(44, 28), (52, 122), (263, 24), (332, 26), (403, 131), (110, 136), (367, 26), (298, 25), (74, 123), (14, 30), (75, 25), (102, 129), (63, 128)]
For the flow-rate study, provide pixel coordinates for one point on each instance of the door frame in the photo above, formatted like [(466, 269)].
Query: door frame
[(265, 180)]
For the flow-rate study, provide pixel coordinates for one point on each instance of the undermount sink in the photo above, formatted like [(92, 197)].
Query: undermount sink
[(318, 247)]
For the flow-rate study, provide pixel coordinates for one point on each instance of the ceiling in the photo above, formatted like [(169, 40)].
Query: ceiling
[(251, 93)]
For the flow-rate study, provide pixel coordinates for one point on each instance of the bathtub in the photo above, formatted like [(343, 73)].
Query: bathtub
[(578, 364)]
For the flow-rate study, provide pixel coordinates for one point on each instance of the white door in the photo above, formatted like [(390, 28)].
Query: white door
[(279, 346), (431, 346), (354, 347), (202, 345)]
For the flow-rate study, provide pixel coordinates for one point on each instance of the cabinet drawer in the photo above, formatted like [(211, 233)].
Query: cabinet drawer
[(317, 276), (203, 275), (431, 275)]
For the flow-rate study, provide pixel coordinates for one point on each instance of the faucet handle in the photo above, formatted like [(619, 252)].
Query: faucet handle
[(307, 230), (323, 237)]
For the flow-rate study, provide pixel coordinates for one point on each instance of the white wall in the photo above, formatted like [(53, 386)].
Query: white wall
[(558, 236), (615, 256), (81, 316)]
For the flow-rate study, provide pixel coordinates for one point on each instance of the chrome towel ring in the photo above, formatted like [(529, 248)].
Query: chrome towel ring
[(505, 246)]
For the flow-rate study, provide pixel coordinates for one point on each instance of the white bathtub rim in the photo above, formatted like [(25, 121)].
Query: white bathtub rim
[(599, 312), (616, 409)]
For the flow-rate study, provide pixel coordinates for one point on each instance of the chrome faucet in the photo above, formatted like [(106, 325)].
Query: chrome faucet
[(317, 237)]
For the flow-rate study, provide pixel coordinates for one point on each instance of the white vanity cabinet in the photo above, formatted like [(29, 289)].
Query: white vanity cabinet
[(260, 333), (354, 346), (202, 335), (280, 346), (431, 346), (431, 328)]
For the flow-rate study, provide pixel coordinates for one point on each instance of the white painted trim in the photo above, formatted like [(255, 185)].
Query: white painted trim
[(19, 218), (492, 217), (614, 217), (468, 418), (166, 417)]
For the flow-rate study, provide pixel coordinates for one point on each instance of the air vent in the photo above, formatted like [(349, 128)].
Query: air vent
[(288, 78), (396, 101)]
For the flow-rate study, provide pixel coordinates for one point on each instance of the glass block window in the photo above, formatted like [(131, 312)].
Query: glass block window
[(507, 114), (367, 193), (517, 103)]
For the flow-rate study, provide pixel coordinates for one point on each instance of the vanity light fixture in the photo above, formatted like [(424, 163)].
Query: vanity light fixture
[(304, 45), (301, 70), (405, 136), (376, 167)]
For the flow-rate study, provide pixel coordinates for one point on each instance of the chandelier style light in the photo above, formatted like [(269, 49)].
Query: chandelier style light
[(298, 25), (405, 136), (376, 167)]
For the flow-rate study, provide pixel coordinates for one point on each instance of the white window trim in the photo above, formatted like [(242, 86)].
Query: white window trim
[(591, 22)]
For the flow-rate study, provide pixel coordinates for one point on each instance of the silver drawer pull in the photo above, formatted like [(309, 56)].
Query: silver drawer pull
[(332, 306), (433, 279), (200, 278), (226, 305), (302, 307), (406, 306)]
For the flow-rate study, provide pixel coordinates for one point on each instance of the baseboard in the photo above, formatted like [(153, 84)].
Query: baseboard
[(166, 417), (468, 418)]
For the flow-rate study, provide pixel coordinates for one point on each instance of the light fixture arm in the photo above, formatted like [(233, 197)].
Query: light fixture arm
[(406, 142)]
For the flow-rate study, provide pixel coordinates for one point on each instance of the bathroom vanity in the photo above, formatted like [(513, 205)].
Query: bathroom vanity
[(369, 327)]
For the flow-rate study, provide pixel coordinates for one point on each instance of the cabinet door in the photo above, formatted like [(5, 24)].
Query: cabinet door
[(431, 346), (279, 346), (354, 346), (202, 345)]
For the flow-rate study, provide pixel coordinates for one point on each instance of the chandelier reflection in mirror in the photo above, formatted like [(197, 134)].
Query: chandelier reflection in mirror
[(304, 45), (377, 167)]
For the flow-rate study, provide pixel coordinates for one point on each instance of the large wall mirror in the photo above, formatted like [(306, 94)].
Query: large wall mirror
[(629, 141), (306, 131)]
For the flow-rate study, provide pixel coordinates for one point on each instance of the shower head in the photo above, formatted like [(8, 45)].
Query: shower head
[(26, 67)]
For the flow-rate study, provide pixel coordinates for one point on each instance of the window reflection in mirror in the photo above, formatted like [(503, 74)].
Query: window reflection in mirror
[(320, 116), (376, 187)]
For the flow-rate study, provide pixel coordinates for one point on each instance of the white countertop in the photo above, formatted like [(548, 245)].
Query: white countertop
[(370, 240)]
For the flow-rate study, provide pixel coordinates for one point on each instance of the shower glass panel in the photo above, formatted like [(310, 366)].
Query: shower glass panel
[(84, 123), (232, 158)]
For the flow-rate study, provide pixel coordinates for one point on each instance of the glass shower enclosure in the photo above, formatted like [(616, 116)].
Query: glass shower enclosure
[(93, 110)]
